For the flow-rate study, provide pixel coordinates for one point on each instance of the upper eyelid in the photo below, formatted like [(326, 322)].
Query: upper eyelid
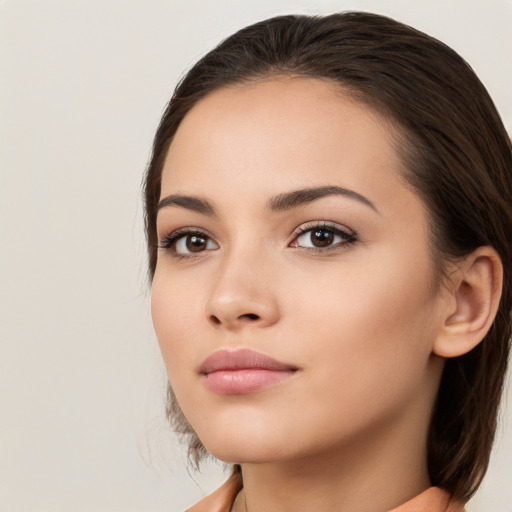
[(184, 231), (304, 226), (308, 226)]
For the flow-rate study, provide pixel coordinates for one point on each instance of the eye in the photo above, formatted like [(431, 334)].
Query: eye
[(323, 236), (186, 243)]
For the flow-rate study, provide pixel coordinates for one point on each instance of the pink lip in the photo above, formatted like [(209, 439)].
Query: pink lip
[(243, 371)]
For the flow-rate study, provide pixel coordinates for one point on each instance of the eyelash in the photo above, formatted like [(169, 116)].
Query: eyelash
[(349, 237), (170, 240)]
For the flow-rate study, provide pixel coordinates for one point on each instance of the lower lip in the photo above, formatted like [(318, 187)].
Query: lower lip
[(248, 380)]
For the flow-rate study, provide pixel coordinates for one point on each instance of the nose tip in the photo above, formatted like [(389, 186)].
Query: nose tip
[(234, 304)]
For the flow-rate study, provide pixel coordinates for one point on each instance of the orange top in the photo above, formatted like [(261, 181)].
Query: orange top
[(434, 499)]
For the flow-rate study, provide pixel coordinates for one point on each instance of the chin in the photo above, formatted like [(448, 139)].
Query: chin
[(245, 447), (244, 454)]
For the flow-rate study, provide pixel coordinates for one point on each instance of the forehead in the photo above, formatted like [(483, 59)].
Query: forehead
[(279, 133)]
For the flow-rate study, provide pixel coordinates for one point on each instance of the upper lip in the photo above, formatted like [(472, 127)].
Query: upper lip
[(242, 359)]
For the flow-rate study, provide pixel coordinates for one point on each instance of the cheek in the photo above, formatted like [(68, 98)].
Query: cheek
[(372, 326), (175, 310)]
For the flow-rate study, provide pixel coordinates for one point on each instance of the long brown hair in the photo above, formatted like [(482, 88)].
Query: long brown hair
[(458, 159)]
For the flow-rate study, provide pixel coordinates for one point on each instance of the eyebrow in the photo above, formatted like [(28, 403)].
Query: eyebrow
[(278, 203)]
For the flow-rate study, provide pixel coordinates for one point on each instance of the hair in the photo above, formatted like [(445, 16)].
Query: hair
[(457, 158)]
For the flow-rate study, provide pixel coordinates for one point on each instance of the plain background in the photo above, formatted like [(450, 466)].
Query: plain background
[(82, 87)]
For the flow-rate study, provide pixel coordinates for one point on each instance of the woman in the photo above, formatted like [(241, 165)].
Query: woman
[(328, 215)]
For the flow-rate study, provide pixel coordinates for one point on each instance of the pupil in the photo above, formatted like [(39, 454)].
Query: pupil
[(196, 243), (321, 238)]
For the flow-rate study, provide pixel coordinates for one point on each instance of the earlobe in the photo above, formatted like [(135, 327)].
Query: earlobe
[(476, 290)]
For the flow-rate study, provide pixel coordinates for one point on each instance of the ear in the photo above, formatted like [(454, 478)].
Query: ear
[(475, 291)]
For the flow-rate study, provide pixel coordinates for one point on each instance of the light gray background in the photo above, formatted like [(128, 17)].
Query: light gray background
[(82, 87)]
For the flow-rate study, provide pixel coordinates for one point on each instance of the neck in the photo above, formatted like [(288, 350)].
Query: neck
[(371, 474)]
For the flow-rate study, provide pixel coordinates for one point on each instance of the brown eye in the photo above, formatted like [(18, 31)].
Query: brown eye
[(195, 243), (322, 237)]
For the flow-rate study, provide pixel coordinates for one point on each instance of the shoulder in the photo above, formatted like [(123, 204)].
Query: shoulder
[(222, 499), (433, 499)]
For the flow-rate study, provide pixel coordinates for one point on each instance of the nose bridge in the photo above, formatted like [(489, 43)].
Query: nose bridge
[(243, 291)]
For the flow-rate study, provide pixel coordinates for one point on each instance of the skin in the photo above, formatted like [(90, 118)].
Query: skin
[(360, 320)]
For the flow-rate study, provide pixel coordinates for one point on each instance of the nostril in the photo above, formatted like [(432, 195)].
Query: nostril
[(246, 317), (214, 319)]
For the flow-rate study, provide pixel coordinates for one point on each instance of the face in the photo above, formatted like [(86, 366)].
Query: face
[(293, 297)]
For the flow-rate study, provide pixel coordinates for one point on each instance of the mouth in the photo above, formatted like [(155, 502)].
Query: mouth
[(243, 371)]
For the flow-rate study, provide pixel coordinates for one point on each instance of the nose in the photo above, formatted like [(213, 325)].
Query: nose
[(243, 294)]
